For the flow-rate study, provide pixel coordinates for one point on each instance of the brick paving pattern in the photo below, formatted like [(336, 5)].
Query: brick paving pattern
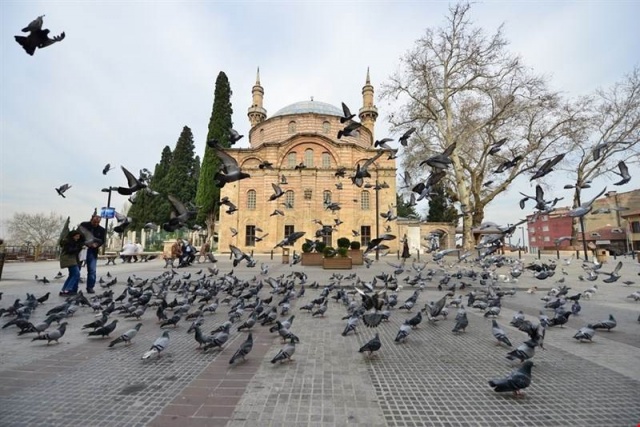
[(435, 378)]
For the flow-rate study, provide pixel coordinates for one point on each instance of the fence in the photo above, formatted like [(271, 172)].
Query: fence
[(30, 253)]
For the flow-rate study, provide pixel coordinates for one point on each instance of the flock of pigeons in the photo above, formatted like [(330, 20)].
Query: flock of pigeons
[(184, 303)]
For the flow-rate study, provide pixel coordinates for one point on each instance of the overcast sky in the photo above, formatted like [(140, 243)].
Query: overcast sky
[(131, 74)]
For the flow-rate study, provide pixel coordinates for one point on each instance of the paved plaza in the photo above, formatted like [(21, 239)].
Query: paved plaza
[(435, 378)]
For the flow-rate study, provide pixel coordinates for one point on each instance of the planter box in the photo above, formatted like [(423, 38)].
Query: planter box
[(337, 263), (356, 256), (311, 258)]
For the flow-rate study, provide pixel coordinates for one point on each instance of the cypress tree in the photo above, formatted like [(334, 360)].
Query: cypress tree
[(219, 124), (403, 209), (440, 207), (158, 204)]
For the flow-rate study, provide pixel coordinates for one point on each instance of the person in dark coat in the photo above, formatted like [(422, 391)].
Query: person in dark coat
[(99, 236), (405, 248), (71, 246)]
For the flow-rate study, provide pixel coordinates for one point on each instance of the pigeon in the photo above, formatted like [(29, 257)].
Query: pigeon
[(499, 334), (107, 168), (525, 351), (239, 256), (231, 171), (53, 335), (624, 173), (179, 213), (404, 139), (496, 146), (127, 336), (285, 353), (585, 333), (63, 189), (346, 114), (614, 275), (219, 338), (372, 346), (585, 208), (461, 324), (597, 150), (362, 171), (234, 136), (244, 349), (403, 333), (277, 192), (133, 184), (608, 324), (104, 331), (547, 167), (516, 381), (290, 239), (159, 345), (37, 38), (350, 129)]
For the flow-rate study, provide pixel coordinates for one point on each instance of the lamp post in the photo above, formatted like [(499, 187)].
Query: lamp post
[(106, 223), (377, 188)]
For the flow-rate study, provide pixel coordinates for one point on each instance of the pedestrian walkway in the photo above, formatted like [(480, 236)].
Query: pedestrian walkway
[(436, 378)]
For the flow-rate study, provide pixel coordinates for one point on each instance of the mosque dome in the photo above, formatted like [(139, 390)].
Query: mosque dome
[(316, 107)]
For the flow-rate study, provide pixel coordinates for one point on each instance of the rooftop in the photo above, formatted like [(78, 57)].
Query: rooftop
[(316, 107)]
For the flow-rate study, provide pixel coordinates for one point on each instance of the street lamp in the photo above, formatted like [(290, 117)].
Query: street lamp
[(377, 189), (106, 223)]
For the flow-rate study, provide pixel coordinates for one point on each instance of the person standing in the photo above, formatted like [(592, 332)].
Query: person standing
[(99, 234), (71, 246)]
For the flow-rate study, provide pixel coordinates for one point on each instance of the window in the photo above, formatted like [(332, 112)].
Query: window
[(547, 238), (326, 127), (545, 218), (365, 235), (545, 228), (289, 198), (308, 193), (308, 158), (292, 127), (533, 239), (635, 226), (288, 229), (291, 160), (250, 235), (364, 200), (251, 199), (326, 197), (326, 160)]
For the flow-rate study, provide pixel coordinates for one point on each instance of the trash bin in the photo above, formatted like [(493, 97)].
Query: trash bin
[(285, 255), (602, 255)]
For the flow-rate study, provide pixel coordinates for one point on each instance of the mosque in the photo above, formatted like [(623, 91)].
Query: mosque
[(300, 142)]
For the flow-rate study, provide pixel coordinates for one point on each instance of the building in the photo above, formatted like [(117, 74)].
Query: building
[(544, 229), (632, 218), (301, 143)]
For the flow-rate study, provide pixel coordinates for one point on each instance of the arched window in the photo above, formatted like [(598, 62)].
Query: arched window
[(364, 200), (292, 127), (326, 197), (251, 199), (289, 199), (326, 160), (326, 127), (308, 158), (291, 159)]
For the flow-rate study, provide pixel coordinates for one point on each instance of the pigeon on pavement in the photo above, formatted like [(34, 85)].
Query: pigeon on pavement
[(127, 336), (54, 335), (372, 346), (159, 345), (515, 381), (244, 349), (608, 324)]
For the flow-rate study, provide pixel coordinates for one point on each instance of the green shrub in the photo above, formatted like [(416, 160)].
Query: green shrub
[(355, 245), (306, 247), (329, 252), (320, 247), (342, 251), (343, 242)]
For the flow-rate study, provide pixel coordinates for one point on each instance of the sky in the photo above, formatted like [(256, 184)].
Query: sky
[(130, 74)]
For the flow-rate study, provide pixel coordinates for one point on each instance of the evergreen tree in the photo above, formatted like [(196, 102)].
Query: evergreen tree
[(219, 124), (440, 207), (152, 208), (403, 209)]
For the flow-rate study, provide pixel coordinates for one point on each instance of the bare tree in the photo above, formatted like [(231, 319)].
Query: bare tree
[(460, 86), (39, 229)]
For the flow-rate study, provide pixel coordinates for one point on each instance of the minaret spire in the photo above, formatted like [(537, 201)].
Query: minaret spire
[(257, 114), (369, 112)]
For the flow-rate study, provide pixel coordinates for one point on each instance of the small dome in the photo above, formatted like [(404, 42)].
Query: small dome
[(316, 107)]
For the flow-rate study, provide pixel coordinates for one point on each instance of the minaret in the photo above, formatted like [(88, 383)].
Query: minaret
[(368, 112), (257, 114)]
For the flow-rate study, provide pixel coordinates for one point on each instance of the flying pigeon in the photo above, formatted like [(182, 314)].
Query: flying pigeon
[(362, 172), (244, 349), (277, 192), (234, 136), (37, 38), (346, 114), (231, 171), (107, 168), (585, 208), (496, 146), (547, 167), (404, 139), (127, 336), (516, 381), (133, 184), (159, 345), (62, 189), (624, 174), (350, 129)]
